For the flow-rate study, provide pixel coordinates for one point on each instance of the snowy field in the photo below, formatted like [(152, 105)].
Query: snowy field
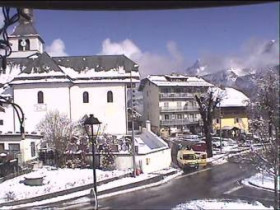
[(54, 180), (220, 204)]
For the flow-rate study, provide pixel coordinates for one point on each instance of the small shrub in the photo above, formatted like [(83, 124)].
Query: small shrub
[(10, 196)]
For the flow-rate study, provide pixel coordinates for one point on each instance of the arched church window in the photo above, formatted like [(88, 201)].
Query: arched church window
[(85, 97), (109, 97), (40, 97)]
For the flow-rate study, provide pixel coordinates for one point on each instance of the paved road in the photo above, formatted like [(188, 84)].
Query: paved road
[(218, 182)]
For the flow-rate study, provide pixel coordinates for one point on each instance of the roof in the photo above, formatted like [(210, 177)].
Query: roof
[(152, 141), (174, 80), (97, 62), (24, 29), (77, 69), (231, 97)]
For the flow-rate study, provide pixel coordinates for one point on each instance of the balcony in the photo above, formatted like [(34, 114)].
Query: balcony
[(174, 122), (179, 109), (175, 95)]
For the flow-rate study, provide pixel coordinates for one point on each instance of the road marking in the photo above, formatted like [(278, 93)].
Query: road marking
[(233, 189), (196, 172)]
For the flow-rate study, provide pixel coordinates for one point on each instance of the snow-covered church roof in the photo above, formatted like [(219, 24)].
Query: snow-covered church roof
[(75, 69)]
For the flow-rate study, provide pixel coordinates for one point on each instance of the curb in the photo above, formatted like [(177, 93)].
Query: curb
[(264, 188)]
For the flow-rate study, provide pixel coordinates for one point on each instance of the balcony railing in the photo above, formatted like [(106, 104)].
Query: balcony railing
[(178, 122), (179, 109), (176, 95)]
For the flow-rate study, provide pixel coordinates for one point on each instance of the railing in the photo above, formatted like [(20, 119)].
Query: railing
[(179, 109), (176, 95), (178, 122)]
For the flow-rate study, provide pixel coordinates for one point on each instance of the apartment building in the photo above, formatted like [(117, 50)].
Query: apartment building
[(169, 102)]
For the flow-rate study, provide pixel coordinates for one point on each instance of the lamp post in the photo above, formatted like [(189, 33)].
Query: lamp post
[(92, 122), (220, 128)]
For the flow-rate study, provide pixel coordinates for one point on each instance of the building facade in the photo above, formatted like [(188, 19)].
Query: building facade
[(73, 85), (169, 102), (231, 115)]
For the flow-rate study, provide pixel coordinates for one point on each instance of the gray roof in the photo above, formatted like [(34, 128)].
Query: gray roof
[(24, 29), (97, 62), (44, 63), (152, 141)]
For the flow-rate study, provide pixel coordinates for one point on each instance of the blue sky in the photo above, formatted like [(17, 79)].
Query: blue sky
[(170, 40)]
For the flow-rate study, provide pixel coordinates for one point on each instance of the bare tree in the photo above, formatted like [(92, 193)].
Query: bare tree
[(207, 105), (265, 124), (57, 130)]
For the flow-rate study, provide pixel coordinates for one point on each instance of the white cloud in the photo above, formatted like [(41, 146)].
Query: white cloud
[(57, 48), (126, 47), (149, 63)]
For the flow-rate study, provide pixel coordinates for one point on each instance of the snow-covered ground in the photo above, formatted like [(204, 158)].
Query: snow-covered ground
[(220, 204), (54, 180), (262, 180), (61, 179)]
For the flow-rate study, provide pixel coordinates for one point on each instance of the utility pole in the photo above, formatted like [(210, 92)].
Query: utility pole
[(132, 126)]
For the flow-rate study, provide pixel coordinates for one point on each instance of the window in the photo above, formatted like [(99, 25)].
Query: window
[(236, 120), (32, 149), (40, 97), (14, 148), (2, 148), (109, 97), (166, 104), (217, 120), (166, 117), (179, 116), (23, 44), (179, 104), (1, 122), (85, 97)]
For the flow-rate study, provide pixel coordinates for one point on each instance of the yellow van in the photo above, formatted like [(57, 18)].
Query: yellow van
[(187, 159), (202, 158)]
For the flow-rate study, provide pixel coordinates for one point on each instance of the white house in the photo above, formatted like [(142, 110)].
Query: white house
[(152, 154), (24, 149), (73, 85)]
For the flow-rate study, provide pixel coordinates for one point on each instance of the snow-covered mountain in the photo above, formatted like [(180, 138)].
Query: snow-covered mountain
[(225, 77), (197, 69)]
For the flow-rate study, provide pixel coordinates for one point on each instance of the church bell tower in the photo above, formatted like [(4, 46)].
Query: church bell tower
[(25, 40)]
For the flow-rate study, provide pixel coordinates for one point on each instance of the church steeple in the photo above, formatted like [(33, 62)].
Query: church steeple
[(25, 40)]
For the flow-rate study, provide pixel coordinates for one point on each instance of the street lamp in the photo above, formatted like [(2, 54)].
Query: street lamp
[(94, 125)]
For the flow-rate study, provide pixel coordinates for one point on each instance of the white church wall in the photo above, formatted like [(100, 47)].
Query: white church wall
[(56, 97), (112, 115), (7, 117)]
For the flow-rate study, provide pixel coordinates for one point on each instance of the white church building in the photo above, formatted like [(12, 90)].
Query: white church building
[(72, 85)]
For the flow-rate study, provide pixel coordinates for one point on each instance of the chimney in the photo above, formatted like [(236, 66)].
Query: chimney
[(148, 125)]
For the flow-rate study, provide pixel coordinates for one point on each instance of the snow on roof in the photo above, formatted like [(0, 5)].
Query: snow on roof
[(43, 80), (232, 98), (11, 72), (149, 142), (161, 80), (90, 73)]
